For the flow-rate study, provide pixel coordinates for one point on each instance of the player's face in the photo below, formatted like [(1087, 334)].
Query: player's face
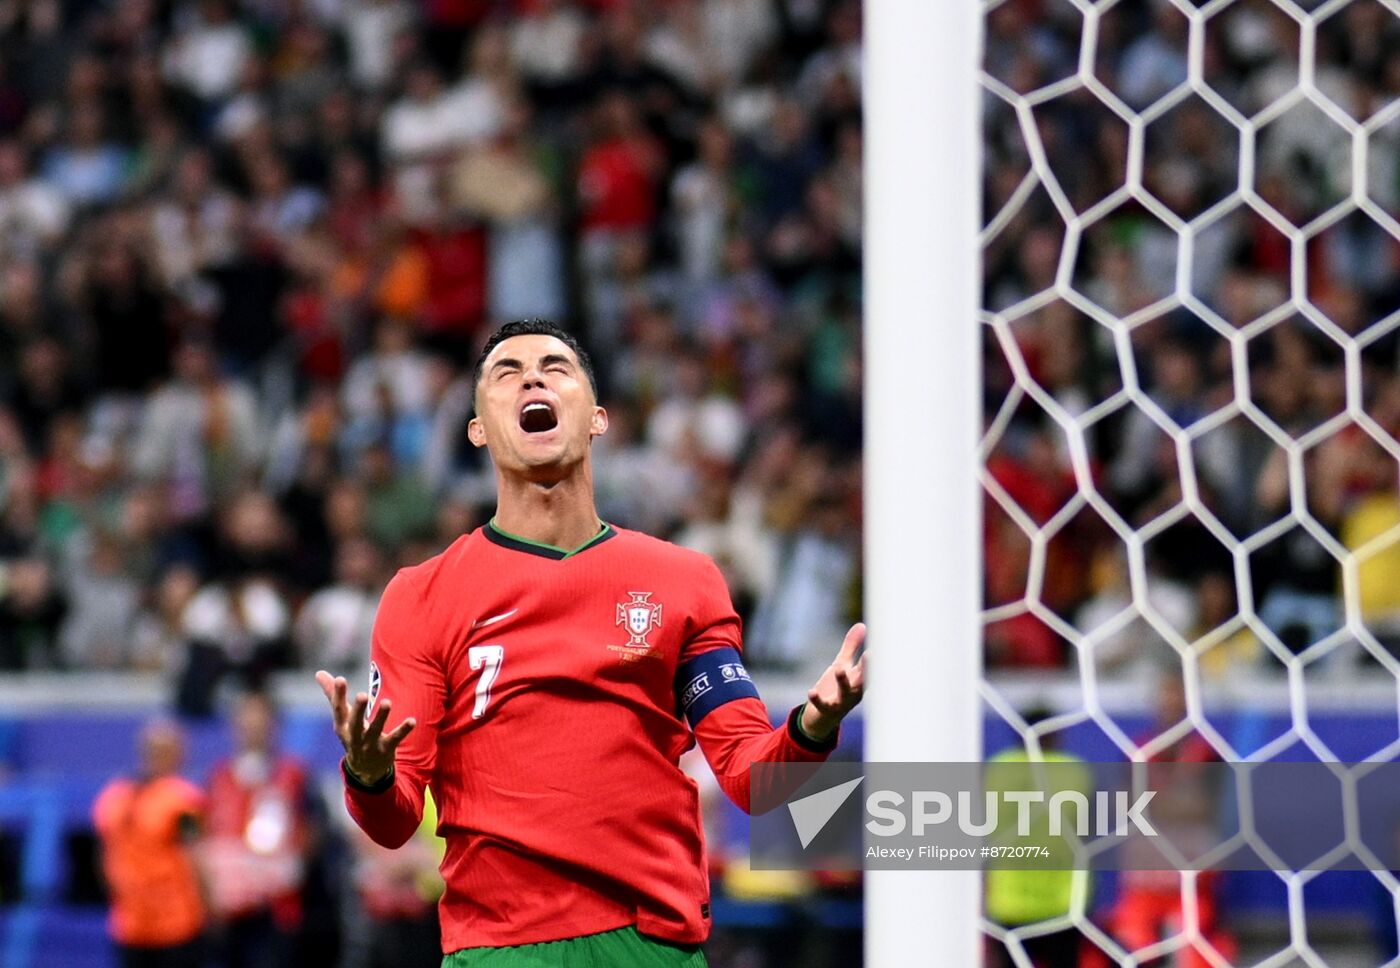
[(535, 409)]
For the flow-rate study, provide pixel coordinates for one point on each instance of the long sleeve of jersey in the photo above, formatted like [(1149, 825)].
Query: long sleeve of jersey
[(404, 669), (738, 734), (735, 732)]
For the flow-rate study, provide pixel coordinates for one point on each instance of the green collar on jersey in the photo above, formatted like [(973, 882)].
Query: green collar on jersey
[(505, 539)]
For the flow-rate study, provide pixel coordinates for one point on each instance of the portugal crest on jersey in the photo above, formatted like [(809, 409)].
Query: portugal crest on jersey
[(639, 617)]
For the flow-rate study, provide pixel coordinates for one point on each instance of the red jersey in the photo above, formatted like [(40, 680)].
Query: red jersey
[(552, 692)]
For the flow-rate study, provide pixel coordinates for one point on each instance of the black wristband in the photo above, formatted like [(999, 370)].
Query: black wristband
[(803, 740), (360, 786)]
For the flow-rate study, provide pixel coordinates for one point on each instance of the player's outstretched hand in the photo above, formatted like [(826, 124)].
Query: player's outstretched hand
[(839, 689), (369, 751)]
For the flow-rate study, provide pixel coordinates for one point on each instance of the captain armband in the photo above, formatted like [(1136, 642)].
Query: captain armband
[(710, 680)]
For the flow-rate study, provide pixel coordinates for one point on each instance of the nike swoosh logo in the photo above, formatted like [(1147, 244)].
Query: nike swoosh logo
[(494, 619)]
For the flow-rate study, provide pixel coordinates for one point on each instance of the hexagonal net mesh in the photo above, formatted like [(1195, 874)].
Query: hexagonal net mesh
[(1192, 537)]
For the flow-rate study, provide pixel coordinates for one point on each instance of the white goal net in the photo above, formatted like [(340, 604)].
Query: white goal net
[(1191, 285)]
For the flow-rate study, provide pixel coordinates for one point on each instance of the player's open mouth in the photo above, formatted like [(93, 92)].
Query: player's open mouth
[(537, 418)]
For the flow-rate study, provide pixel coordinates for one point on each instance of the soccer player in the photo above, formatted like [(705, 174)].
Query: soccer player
[(543, 675)]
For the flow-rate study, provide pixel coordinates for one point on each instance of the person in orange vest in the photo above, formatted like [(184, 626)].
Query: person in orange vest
[(148, 827), (259, 831)]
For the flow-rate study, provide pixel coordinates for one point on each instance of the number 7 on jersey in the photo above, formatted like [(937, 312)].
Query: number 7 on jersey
[(488, 659)]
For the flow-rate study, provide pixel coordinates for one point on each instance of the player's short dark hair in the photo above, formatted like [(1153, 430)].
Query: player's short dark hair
[(535, 326)]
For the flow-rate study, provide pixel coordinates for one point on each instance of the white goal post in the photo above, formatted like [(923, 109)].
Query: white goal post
[(922, 405)]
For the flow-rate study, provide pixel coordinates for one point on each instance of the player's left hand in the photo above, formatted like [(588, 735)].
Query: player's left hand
[(839, 689)]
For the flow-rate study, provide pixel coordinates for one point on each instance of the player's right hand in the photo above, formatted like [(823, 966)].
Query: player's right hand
[(369, 751)]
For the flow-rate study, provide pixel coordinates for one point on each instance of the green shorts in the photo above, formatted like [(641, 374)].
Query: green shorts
[(623, 948)]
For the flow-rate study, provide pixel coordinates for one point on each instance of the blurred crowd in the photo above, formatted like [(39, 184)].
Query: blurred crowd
[(256, 867), (248, 251), (1289, 386)]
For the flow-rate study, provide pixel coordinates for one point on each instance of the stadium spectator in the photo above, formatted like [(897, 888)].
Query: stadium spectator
[(199, 436), (239, 622), (397, 891), (1121, 652), (727, 524), (1150, 901), (259, 830), (149, 826), (1296, 577), (33, 214), (333, 627), (1229, 651), (32, 608), (207, 53), (104, 608), (505, 183), (86, 168), (1014, 898), (159, 642), (818, 558)]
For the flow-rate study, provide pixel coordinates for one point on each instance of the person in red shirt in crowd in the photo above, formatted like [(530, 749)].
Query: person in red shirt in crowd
[(1149, 906), (147, 827), (545, 673), (1039, 481), (454, 255), (618, 179), (618, 175), (259, 831)]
